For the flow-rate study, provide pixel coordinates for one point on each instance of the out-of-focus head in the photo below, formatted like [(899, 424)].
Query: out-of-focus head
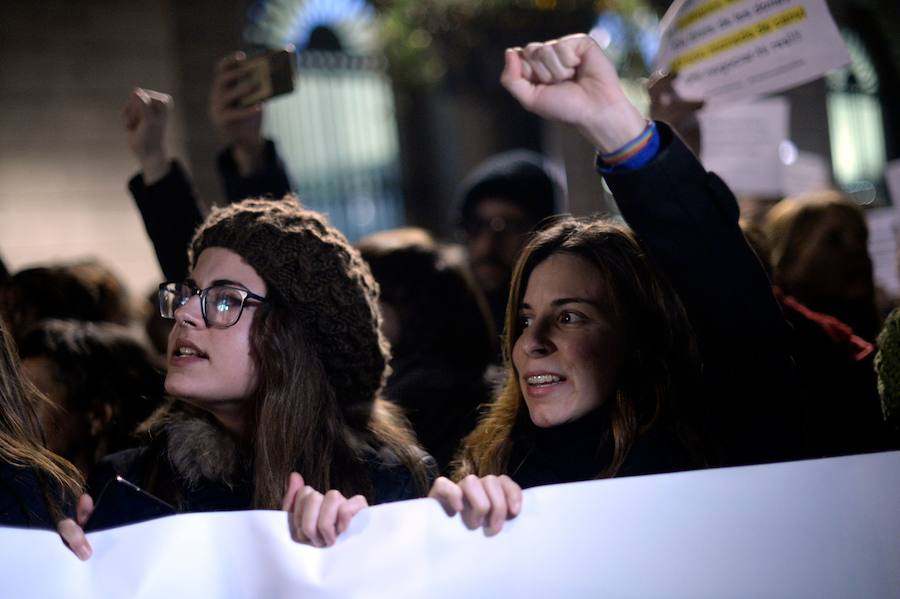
[(430, 304), (497, 205), (819, 250), (316, 337), (85, 291), (101, 382)]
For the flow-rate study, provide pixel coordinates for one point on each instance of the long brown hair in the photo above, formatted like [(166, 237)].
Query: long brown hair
[(319, 354), (660, 372), (21, 439), (300, 424)]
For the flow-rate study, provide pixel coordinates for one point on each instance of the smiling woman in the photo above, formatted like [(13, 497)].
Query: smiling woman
[(607, 325), (603, 364)]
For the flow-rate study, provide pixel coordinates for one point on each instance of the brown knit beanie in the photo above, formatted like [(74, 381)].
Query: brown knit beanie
[(319, 276)]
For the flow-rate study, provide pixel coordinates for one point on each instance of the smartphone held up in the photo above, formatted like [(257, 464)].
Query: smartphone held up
[(271, 74)]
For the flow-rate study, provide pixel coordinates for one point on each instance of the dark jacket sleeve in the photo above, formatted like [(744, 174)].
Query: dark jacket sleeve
[(171, 213), (688, 220), (271, 181), (22, 499)]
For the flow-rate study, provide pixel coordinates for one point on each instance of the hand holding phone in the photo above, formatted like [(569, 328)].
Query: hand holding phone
[(239, 84), (268, 74)]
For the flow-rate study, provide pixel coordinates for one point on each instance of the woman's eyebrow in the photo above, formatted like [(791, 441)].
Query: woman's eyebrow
[(571, 300), (562, 301), (228, 282)]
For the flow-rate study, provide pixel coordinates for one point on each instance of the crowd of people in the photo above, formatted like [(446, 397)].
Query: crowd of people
[(281, 367)]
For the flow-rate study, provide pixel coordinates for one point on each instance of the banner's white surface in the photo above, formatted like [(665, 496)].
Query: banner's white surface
[(732, 49), (823, 528), (740, 144)]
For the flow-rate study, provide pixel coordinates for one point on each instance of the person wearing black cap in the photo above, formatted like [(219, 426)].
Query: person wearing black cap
[(498, 204)]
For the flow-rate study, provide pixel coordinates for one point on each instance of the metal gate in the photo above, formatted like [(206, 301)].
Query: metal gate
[(337, 134)]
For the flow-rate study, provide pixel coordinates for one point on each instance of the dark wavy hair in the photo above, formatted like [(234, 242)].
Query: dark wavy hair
[(659, 377)]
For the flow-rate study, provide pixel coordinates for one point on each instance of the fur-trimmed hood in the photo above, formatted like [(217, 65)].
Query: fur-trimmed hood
[(195, 444)]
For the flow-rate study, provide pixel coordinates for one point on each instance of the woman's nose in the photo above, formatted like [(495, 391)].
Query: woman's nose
[(190, 314), (537, 341)]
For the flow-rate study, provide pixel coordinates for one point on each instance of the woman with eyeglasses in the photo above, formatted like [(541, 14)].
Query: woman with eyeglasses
[(276, 364)]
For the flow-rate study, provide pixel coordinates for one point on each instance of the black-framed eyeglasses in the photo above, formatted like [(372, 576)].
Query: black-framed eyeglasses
[(221, 305)]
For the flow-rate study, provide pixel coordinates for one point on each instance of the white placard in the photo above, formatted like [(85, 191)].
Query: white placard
[(808, 172), (892, 178), (820, 528), (731, 49), (883, 248), (740, 144)]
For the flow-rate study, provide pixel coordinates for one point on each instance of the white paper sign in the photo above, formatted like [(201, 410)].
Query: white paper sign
[(732, 49), (740, 144), (821, 528), (883, 248), (892, 178), (808, 172)]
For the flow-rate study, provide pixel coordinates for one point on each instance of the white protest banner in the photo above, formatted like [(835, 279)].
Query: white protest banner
[(732, 49), (820, 528), (740, 144)]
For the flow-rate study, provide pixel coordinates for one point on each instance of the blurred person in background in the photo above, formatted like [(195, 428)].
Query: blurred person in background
[(820, 256), (497, 206), (86, 291), (101, 381), (441, 337), (248, 166)]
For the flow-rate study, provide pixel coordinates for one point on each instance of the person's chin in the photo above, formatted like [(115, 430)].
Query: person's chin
[(542, 417), (179, 385)]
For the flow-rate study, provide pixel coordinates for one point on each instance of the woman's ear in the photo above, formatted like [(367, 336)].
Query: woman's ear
[(100, 419)]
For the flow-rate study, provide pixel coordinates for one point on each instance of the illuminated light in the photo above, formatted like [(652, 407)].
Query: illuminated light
[(545, 4), (274, 23), (787, 152), (862, 192)]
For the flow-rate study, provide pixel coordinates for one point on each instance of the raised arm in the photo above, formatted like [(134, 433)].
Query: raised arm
[(162, 191), (688, 220)]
